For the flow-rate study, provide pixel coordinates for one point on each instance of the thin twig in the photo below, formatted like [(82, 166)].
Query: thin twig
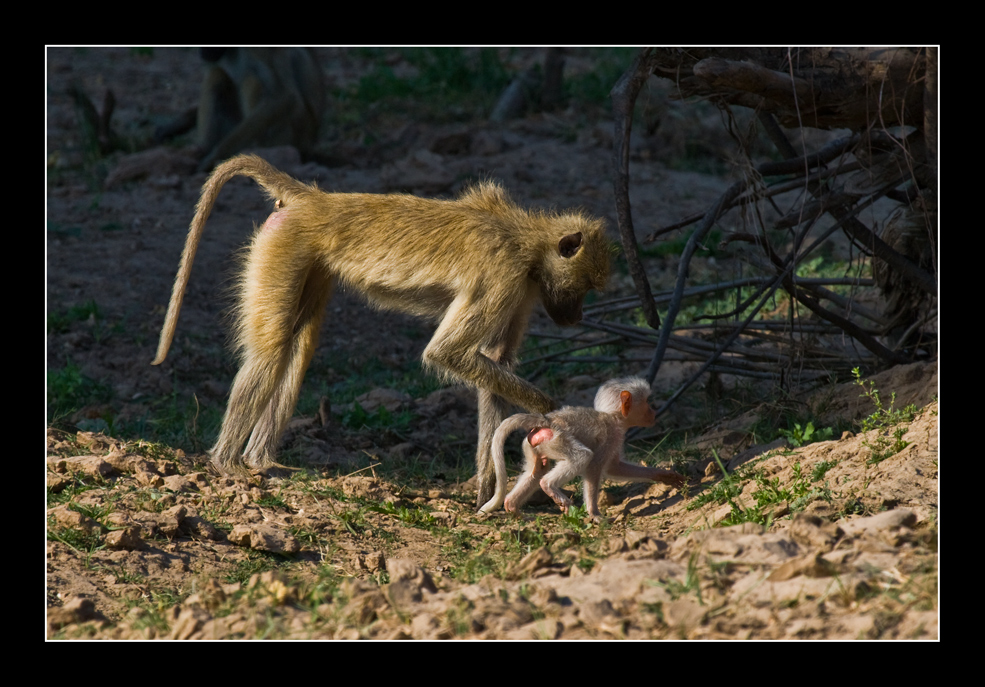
[(682, 271), (916, 325), (820, 328), (566, 351), (630, 302), (623, 96), (770, 169), (785, 268), (728, 342), (368, 467)]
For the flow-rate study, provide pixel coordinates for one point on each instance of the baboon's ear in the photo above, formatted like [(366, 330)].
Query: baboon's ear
[(626, 401), (569, 245)]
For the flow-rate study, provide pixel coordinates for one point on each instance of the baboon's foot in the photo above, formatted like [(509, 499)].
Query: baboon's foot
[(275, 471), (234, 469)]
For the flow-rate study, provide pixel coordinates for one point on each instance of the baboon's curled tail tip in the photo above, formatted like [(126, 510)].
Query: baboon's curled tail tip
[(161, 355), (163, 347)]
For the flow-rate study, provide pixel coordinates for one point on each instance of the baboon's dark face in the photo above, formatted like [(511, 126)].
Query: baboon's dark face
[(564, 311)]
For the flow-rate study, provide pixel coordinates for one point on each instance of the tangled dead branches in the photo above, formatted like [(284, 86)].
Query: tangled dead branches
[(887, 99)]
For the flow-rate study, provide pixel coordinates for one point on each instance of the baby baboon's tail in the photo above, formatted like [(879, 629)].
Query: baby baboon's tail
[(524, 421)]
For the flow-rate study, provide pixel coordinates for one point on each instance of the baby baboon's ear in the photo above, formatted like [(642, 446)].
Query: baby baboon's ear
[(569, 245), (626, 399)]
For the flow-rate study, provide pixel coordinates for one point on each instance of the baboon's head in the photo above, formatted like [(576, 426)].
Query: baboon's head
[(627, 396), (577, 263)]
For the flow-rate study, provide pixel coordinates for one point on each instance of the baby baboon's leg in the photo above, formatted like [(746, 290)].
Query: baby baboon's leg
[(534, 468), (592, 477), (562, 473), (621, 470), (262, 446), (577, 460)]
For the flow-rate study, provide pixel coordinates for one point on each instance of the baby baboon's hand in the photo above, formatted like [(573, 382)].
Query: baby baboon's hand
[(672, 478)]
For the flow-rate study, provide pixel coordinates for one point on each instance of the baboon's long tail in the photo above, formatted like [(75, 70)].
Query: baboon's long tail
[(524, 421), (273, 181)]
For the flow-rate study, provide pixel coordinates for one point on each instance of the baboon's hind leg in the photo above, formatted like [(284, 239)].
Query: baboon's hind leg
[(261, 450), (282, 296), (251, 392)]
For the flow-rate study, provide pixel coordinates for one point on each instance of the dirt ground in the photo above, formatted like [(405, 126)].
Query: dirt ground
[(376, 534)]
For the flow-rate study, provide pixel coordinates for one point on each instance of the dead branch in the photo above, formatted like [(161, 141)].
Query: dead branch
[(748, 198), (807, 297), (858, 231), (592, 344), (825, 88), (630, 302), (624, 95), (738, 329), (675, 303)]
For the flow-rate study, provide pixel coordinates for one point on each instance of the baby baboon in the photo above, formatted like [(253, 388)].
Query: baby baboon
[(254, 97), (583, 441), (477, 265)]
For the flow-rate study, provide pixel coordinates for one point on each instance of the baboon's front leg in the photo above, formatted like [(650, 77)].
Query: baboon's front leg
[(458, 349), (492, 411)]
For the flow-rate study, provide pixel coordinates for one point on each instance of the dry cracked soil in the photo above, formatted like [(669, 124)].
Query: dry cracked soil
[(819, 531)]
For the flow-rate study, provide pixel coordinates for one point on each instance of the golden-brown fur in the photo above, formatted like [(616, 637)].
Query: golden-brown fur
[(477, 265)]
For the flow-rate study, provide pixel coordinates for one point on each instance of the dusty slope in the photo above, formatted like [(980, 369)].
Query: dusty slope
[(157, 547)]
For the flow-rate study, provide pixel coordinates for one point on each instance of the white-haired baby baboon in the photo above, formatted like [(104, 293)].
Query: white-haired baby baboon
[(477, 265), (582, 441)]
